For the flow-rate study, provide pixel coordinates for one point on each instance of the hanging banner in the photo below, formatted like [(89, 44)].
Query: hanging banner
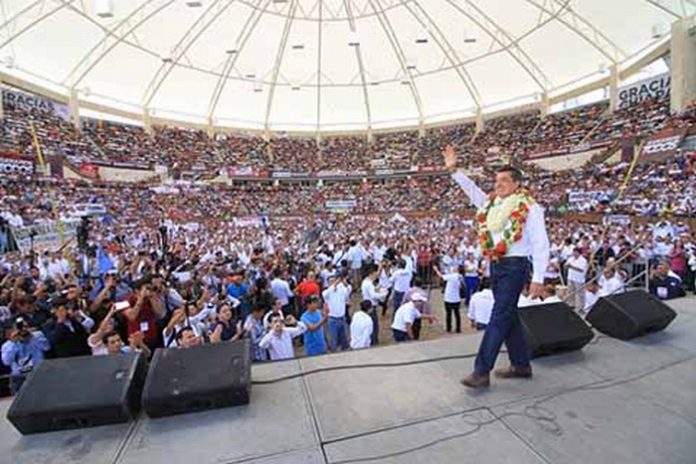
[(653, 87), (43, 237), (663, 144), (603, 196), (341, 204), (13, 165)]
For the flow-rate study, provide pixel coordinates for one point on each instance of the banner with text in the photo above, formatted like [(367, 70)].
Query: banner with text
[(653, 87), (345, 204), (578, 196), (24, 101), (663, 143), (13, 165), (45, 237)]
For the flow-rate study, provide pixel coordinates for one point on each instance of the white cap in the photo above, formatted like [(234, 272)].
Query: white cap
[(419, 297)]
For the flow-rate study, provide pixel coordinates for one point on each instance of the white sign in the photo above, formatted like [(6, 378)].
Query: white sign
[(653, 87), (341, 204), (16, 167)]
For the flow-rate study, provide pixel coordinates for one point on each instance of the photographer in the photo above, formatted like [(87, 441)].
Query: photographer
[(23, 351), (68, 331), (145, 312)]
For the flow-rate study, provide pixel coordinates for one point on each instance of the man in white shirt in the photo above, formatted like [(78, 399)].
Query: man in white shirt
[(510, 252), (591, 297), (577, 271), (401, 277), (280, 288), (372, 294), (361, 327), (406, 315), (278, 341), (336, 297), (480, 308), (355, 256), (452, 297)]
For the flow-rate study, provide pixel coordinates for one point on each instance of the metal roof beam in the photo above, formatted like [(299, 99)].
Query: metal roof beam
[(361, 67), (393, 40), (447, 49), (240, 42), (583, 28), (112, 38), (12, 36), (279, 60), (509, 44), (200, 25)]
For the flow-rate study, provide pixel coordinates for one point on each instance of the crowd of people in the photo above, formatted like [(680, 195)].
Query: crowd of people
[(518, 136), (338, 265)]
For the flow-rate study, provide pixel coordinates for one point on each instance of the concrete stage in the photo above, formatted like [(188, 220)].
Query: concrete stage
[(614, 402)]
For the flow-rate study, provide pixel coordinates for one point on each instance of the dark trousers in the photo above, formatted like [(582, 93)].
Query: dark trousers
[(507, 277), (453, 308), (374, 315), (398, 298), (472, 285), (400, 336), (416, 328), (16, 382)]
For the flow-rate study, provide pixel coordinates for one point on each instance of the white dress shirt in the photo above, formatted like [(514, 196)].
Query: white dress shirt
[(452, 287), (281, 290), (336, 298), (480, 306), (280, 346), (577, 276), (361, 328), (405, 315), (369, 292), (402, 280), (534, 241)]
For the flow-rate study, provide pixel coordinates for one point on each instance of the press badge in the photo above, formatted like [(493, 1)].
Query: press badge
[(144, 326)]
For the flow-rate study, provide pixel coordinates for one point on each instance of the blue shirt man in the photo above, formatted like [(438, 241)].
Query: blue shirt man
[(23, 352), (239, 290), (314, 319)]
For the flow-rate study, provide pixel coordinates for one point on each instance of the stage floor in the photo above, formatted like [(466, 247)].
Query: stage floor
[(614, 402)]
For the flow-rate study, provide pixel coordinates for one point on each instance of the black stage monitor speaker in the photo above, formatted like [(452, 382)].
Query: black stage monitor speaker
[(553, 328), (85, 391), (630, 314), (184, 380)]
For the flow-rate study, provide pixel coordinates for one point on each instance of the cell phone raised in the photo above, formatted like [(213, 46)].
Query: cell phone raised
[(121, 305)]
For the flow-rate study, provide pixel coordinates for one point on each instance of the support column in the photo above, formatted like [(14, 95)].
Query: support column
[(544, 105), (74, 108), (421, 129), (267, 138), (479, 120), (613, 87), (147, 121), (683, 64), (210, 128), (2, 101)]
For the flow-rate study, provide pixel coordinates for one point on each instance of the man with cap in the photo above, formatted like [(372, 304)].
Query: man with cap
[(406, 315), (314, 320), (22, 352)]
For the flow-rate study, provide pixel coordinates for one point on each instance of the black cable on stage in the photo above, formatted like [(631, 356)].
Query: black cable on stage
[(363, 366)]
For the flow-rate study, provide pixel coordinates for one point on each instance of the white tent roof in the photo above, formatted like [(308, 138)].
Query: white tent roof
[(294, 65)]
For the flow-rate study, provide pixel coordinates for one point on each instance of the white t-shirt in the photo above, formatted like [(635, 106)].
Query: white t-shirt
[(590, 300), (336, 298), (452, 285), (577, 276), (361, 328), (402, 280), (481, 305), (406, 314), (611, 286)]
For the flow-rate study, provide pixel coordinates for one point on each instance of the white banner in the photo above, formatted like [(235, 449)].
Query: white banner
[(341, 204), (88, 209), (45, 236), (653, 87), (577, 196), (16, 167)]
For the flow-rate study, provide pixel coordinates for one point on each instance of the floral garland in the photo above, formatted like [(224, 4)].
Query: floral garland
[(512, 229)]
